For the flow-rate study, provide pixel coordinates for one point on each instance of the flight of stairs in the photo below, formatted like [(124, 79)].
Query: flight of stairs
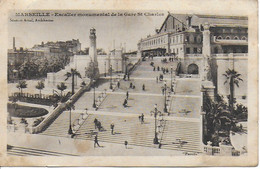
[(23, 151), (186, 131), (60, 126), (127, 129)]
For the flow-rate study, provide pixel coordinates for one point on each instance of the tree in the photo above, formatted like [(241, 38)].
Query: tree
[(40, 86), (92, 71), (72, 73), (232, 77), (61, 87), (21, 85)]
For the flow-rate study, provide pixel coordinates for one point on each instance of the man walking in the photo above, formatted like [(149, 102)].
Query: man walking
[(95, 122), (96, 142), (143, 87), (125, 103), (127, 94), (112, 128), (118, 85), (142, 118), (126, 143)]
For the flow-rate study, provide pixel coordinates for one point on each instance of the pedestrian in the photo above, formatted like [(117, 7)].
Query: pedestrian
[(99, 126), (125, 103), (154, 68), (95, 122), (131, 85), (126, 144), (128, 76), (118, 85), (142, 118), (112, 128), (156, 79), (127, 94), (158, 68), (143, 87), (124, 77), (96, 142), (163, 91)]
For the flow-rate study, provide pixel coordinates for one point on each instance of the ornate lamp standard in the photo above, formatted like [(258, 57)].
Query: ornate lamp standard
[(171, 80), (105, 69), (70, 106), (125, 65), (155, 113), (116, 66), (165, 91), (94, 99), (111, 86)]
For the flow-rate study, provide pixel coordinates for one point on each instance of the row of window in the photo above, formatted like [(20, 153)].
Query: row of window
[(229, 38), (195, 50), (152, 42)]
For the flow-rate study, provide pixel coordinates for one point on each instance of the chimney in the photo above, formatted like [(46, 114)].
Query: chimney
[(188, 21), (13, 43)]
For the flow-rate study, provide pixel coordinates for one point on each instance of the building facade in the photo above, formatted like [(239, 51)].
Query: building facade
[(191, 39)]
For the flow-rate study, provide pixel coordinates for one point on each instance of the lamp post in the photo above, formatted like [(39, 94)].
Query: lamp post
[(70, 106), (105, 69), (171, 80), (116, 66), (125, 66), (94, 98), (111, 87), (155, 113), (165, 104)]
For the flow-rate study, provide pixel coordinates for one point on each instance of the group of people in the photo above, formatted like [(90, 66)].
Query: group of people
[(132, 86)]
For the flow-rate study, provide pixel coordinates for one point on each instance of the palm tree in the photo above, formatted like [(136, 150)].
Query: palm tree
[(61, 87), (218, 118), (233, 78), (72, 73), (40, 86), (21, 85)]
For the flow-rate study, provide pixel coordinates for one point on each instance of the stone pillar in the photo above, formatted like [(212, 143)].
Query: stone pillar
[(93, 48), (206, 52)]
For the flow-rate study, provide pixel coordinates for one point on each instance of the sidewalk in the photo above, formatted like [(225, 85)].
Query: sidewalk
[(84, 147)]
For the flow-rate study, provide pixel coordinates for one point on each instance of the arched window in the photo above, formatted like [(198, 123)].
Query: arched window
[(228, 38), (243, 38), (193, 69), (236, 38), (219, 37)]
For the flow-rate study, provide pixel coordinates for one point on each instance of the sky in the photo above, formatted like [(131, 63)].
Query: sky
[(122, 29)]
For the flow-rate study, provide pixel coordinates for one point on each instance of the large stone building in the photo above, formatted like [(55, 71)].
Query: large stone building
[(194, 38)]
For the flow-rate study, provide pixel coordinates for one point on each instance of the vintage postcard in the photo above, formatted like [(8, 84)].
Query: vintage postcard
[(127, 85)]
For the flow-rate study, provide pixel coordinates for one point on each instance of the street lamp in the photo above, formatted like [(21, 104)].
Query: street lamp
[(125, 66), (116, 66), (171, 80), (94, 99), (165, 91), (105, 69), (111, 87), (155, 113), (70, 106)]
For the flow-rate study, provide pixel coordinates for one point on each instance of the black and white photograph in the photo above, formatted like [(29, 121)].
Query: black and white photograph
[(127, 83)]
